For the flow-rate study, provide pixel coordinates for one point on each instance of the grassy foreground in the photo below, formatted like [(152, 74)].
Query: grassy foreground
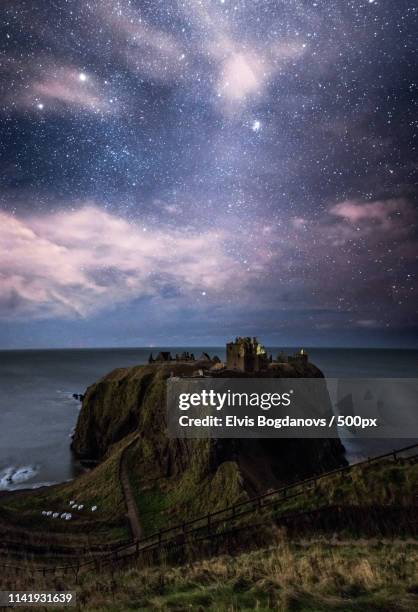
[(318, 576), (383, 484), (100, 487)]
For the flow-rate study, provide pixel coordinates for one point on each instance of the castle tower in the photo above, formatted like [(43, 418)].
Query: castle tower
[(246, 355)]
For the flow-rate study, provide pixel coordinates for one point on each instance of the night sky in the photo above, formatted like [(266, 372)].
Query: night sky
[(181, 172)]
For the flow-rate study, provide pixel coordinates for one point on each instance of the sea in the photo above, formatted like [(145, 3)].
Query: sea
[(38, 412)]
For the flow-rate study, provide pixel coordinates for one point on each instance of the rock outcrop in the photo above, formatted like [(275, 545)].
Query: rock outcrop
[(133, 399)]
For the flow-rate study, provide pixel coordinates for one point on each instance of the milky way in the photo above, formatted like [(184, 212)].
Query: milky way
[(181, 172)]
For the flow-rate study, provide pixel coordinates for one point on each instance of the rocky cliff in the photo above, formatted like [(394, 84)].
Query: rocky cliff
[(133, 400)]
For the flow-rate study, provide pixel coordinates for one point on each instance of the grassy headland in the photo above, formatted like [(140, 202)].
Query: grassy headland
[(362, 557)]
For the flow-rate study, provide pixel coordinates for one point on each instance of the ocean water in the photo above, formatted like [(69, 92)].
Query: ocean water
[(38, 412)]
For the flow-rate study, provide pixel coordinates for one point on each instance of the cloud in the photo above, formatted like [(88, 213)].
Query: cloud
[(239, 77), (358, 258), (244, 67), (52, 87), (74, 264), (245, 73), (366, 224), (237, 70), (389, 220), (66, 86), (385, 213), (146, 50), (208, 55)]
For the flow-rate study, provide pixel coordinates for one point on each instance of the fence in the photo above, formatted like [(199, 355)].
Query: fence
[(207, 526)]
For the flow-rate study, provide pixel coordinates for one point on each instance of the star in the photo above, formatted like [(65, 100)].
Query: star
[(268, 145), (256, 125)]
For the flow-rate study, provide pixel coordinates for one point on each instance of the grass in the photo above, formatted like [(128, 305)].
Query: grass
[(315, 576), (99, 487), (173, 483), (151, 505), (192, 493), (196, 496), (161, 503), (164, 503), (290, 575), (286, 577), (382, 483)]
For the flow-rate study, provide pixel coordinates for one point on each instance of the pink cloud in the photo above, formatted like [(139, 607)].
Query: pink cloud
[(69, 86), (51, 87), (77, 263), (384, 212), (66, 90)]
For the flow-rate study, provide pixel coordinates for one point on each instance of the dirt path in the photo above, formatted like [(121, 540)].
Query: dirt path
[(132, 512)]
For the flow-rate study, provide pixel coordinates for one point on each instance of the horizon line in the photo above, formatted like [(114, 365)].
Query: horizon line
[(201, 346)]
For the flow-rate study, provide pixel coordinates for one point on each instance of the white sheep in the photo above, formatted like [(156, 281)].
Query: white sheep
[(93, 508), (49, 513), (55, 515), (81, 507), (68, 517)]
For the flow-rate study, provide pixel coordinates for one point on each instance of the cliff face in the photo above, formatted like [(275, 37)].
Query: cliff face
[(133, 400)]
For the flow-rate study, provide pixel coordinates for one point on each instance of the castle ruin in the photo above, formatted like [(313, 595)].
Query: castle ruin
[(246, 355)]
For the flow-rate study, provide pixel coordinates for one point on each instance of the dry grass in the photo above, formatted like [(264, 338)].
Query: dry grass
[(311, 576)]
